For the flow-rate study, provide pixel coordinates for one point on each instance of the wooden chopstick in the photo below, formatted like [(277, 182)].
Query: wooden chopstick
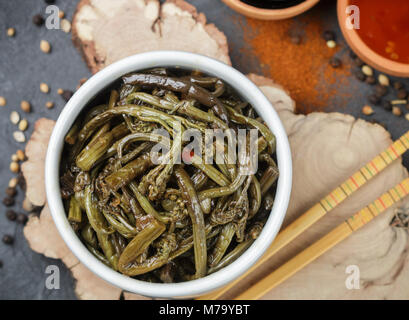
[(345, 229), (325, 205)]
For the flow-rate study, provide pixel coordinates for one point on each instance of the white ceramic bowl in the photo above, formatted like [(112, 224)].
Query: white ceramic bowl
[(104, 78)]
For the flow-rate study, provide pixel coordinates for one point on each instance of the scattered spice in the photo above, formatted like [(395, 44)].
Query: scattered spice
[(22, 218), (19, 136), (81, 82), (397, 85), (328, 35), (335, 62), (11, 215), (380, 90), (367, 70), (45, 46), (3, 101), (396, 111), (25, 106), (21, 181), (367, 110), (49, 104), (20, 155), (65, 25), (8, 239), (387, 105), (383, 80), (358, 62), (23, 125), (66, 95), (374, 99), (61, 14), (11, 32), (11, 192), (13, 182), (14, 167), (14, 157), (359, 75), (38, 20), (399, 102), (407, 116), (44, 87), (60, 91), (296, 39), (370, 80), (304, 70), (14, 117), (402, 94), (331, 44), (8, 201)]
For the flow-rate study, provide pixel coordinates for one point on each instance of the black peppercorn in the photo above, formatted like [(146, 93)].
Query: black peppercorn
[(407, 107), (335, 62), (11, 215), (1, 264), (328, 35), (8, 201), (296, 39), (380, 90), (8, 239), (21, 181), (38, 20), (402, 94), (359, 75), (374, 99), (387, 105), (352, 54), (358, 62), (22, 218), (49, 1), (11, 192), (370, 80), (397, 85), (67, 94)]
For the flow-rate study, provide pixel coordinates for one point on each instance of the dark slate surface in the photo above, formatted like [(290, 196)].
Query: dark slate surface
[(23, 66)]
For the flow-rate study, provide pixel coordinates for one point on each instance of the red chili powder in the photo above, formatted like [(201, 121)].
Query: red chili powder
[(303, 69)]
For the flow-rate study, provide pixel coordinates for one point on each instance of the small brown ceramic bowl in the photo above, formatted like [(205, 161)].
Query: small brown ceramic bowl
[(364, 52), (270, 14)]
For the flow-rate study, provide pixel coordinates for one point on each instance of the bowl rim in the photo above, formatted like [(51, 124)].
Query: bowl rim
[(364, 51), (270, 14), (99, 82)]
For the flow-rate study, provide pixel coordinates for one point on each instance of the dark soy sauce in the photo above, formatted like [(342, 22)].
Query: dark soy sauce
[(272, 4)]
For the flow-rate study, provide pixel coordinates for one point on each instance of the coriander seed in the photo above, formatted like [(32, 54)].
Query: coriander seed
[(44, 87), (14, 117), (11, 32), (3, 101), (25, 106), (45, 46), (367, 110), (14, 167)]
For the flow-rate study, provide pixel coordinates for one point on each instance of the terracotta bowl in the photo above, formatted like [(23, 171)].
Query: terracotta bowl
[(364, 52), (270, 14)]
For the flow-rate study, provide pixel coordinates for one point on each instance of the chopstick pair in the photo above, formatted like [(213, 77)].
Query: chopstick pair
[(332, 238), (325, 205)]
